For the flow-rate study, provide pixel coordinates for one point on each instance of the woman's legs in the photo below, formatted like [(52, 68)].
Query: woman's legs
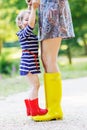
[(52, 80), (49, 53)]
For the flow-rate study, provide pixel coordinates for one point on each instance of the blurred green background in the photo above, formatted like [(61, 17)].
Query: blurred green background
[(72, 56)]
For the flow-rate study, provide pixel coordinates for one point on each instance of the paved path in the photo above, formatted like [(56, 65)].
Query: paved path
[(74, 103)]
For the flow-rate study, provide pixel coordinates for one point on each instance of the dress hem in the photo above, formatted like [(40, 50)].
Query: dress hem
[(30, 72), (64, 38)]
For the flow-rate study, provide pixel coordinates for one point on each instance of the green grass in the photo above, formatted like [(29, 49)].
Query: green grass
[(15, 84), (77, 69)]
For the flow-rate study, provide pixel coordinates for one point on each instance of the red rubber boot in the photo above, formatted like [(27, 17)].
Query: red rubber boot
[(27, 107), (34, 108)]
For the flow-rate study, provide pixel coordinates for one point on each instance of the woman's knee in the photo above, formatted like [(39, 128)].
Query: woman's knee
[(50, 52), (48, 62)]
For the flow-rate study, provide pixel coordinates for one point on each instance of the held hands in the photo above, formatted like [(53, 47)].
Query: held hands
[(33, 3)]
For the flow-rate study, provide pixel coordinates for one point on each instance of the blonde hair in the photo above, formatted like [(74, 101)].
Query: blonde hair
[(20, 17)]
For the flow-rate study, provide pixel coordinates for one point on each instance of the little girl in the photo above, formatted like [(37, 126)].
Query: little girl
[(29, 64)]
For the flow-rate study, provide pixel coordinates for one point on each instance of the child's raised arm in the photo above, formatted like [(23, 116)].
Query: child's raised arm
[(32, 17)]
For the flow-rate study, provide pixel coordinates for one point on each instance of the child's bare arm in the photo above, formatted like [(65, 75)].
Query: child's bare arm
[(32, 16)]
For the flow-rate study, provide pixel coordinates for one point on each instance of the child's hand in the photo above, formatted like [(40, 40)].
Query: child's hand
[(35, 3)]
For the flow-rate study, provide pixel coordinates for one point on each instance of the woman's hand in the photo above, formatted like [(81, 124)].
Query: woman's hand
[(35, 3)]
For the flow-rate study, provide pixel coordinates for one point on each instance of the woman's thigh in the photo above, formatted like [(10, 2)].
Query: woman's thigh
[(49, 53), (50, 47)]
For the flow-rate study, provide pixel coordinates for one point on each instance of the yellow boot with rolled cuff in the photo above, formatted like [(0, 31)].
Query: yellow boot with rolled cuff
[(53, 95)]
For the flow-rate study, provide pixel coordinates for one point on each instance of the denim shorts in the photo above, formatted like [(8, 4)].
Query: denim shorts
[(55, 20)]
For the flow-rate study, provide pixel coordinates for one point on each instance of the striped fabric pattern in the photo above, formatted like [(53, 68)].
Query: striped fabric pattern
[(28, 42)]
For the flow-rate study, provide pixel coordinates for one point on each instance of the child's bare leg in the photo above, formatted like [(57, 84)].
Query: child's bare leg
[(32, 104), (34, 82)]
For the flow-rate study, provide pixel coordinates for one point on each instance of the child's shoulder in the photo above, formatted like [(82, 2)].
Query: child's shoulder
[(19, 32), (29, 28)]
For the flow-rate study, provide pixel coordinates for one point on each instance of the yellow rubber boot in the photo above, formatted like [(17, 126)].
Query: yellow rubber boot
[(53, 95)]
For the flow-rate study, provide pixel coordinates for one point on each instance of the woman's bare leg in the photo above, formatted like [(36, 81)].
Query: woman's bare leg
[(34, 82), (49, 53)]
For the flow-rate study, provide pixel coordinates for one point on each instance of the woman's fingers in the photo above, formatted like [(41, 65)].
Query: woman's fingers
[(35, 3)]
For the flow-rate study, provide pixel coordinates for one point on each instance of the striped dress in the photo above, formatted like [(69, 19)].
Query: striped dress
[(29, 44)]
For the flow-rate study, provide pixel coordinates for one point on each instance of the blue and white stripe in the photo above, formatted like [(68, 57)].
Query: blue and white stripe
[(28, 41)]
